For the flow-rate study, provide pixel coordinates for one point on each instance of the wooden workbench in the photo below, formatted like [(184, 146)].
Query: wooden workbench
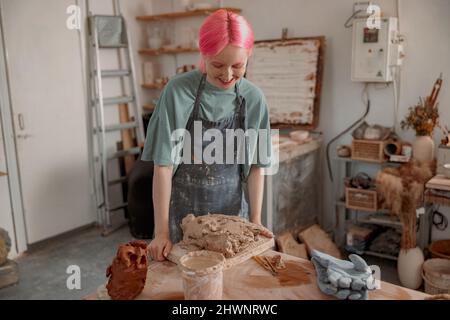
[(250, 281)]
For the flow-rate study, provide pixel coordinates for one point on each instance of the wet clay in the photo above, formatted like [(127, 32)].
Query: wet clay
[(128, 271), (199, 263), (228, 235)]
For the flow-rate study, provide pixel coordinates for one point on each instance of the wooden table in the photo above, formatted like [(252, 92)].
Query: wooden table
[(250, 281)]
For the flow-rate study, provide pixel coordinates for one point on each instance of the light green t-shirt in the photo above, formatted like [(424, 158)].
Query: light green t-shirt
[(176, 104)]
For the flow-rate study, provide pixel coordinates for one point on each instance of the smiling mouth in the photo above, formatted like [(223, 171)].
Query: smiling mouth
[(226, 83)]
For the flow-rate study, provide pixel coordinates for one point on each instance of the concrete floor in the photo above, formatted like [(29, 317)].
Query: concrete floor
[(43, 269)]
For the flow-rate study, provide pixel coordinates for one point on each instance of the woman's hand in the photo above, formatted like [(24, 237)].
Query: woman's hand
[(261, 229), (160, 247)]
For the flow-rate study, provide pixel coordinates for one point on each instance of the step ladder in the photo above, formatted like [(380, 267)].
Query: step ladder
[(106, 33)]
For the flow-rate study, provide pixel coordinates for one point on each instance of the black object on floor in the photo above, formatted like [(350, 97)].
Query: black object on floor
[(140, 202)]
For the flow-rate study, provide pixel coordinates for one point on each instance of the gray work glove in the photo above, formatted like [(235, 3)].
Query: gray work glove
[(343, 279)]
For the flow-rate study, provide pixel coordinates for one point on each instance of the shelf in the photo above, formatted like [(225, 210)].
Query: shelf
[(149, 107), (183, 14), (380, 221), (157, 52), (155, 86), (341, 203), (3, 173), (380, 255), (385, 163), (350, 249)]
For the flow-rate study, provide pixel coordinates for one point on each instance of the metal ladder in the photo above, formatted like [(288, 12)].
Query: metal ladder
[(109, 32)]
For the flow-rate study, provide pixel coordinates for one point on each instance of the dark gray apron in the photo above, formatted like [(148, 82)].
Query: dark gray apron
[(208, 188)]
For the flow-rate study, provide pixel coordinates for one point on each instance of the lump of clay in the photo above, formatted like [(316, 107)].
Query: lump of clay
[(5, 245), (128, 271), (228, 235)]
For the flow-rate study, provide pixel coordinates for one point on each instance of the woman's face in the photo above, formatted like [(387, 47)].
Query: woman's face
[(227, 67)]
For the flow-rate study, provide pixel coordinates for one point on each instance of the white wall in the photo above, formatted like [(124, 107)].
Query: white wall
[(426, 23)]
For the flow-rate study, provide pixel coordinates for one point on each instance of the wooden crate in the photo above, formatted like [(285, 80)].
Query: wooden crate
[(361, 199), (9, 273), (368, 150)]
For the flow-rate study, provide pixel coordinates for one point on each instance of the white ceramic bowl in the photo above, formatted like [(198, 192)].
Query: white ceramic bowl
[(447, 170), (299, 135)]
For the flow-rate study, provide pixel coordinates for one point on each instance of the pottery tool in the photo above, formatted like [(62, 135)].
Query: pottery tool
[(272, 267), (264, 263)]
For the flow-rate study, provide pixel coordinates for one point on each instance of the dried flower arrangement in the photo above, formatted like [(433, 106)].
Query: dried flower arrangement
[(424, 116), (401, 191)]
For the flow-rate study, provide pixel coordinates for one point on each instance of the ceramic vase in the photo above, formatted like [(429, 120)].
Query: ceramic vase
[(423, 148), (409, 267)]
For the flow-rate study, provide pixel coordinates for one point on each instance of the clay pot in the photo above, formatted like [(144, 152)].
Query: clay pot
[(409, 267), (423, 148)]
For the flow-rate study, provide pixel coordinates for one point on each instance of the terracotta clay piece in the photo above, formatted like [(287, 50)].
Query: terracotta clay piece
[(228, 235), (128, 271)]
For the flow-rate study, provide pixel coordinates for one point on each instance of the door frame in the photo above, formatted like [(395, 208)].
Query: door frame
[(14, 184)]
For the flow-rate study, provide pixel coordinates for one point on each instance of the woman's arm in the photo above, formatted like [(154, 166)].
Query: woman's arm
[(162, 187), (255, 192)]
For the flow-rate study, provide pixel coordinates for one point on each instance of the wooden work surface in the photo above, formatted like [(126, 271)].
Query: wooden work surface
[(250, 281)]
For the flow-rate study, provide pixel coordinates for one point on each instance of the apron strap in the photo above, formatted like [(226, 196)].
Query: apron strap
[(195, 112), (200, 89), (241, 110)]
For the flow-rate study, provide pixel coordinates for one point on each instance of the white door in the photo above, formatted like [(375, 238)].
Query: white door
[(48, 104), (6, 217)]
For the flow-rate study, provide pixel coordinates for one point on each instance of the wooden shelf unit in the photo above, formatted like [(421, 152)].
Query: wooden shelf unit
[(160, 51), (155, 86), (182, 14), (176, 50), (149, 107)]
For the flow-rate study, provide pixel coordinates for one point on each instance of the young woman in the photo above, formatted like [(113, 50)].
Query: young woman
[(218, 97)]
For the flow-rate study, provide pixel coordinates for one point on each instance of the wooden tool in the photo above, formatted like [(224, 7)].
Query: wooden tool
[(265, 263), (272, 267)]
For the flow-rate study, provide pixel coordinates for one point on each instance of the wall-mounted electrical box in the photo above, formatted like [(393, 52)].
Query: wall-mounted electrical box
[(374, 50)]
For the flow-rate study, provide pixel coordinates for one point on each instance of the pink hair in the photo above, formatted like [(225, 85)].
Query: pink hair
[(221, 28)]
